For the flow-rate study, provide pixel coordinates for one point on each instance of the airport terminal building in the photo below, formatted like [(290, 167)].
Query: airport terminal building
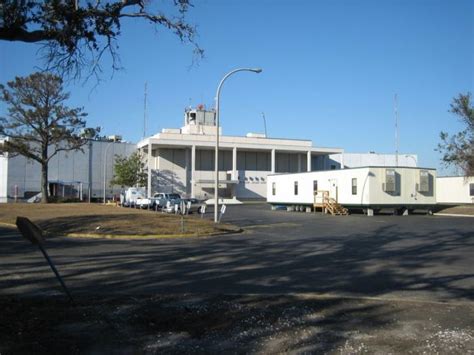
[(182, 160)]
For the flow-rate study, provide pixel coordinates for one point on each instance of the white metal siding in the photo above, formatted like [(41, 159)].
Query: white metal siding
[(454, 189)]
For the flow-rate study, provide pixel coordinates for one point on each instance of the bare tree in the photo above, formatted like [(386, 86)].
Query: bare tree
[(38, 125), (458, 149), (76, 34)]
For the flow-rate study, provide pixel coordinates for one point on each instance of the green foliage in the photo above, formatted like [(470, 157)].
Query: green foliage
[(75, 34), (38, 125), (129, 171), (458, 149)]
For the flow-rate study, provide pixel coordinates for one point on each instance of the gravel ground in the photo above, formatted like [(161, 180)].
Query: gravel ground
[(234, 324)]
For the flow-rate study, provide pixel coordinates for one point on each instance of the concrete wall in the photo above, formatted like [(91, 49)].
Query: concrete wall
[(455, 190), (172, 171)]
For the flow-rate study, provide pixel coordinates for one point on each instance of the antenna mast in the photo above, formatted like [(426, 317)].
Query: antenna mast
[(396, 129), (264, 124), (144, 111)]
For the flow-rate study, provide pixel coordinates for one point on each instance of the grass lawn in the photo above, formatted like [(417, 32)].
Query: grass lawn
[(94, 219)]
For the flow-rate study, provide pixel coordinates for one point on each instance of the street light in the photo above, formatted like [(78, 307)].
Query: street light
[(216, 184), (105, 165)]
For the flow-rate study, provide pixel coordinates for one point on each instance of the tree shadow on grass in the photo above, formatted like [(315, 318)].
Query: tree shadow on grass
[(126, 224)]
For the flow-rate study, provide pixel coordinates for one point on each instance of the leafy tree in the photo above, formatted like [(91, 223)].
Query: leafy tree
[(129, 171), (458, 149), (75, 34), (37, 123)]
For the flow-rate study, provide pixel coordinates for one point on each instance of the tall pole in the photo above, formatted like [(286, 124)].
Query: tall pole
[(105, 166), (216, 183), (144, 111), (264, 124), (396, 129)]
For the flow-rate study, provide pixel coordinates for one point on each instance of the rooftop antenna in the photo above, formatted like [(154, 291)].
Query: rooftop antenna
[(144, 111), (396, 129), (264, 123)]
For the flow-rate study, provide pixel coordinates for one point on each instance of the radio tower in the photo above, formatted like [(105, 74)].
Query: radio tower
[(396, 129)]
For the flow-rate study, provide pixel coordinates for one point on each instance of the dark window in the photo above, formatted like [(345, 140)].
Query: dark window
[(354, 186), (471, 189), (296, 187), (333, 167), (315, 186), (273, 188)]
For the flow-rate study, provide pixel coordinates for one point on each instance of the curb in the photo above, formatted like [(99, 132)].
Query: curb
[(150, 236), (453, 215)]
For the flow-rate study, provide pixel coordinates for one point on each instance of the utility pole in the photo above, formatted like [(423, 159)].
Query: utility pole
[(264, 124), (144, 112), (396, 129)]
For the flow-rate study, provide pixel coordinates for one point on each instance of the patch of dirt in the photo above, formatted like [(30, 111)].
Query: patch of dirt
[(61, 219), (464, 209), (233, 324)]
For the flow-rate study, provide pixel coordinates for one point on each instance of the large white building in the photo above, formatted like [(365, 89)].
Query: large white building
[(74, 174), (182, 160)]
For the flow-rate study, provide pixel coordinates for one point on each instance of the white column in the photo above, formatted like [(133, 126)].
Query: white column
[(342, 160), (273, 161), (234, 163), (193, 168), (149, 170), (308, 161)]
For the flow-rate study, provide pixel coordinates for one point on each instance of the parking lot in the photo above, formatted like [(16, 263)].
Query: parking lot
[(289, 282), (278, 252)]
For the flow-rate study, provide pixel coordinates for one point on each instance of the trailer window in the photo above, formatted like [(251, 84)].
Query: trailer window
[(315, 187), (354, 186), (273, 188), (296, 187), (471, 189)]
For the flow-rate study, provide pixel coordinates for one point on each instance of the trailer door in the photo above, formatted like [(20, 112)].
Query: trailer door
[(333, 191)]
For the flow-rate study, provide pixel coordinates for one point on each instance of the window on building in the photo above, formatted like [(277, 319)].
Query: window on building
[(354, 186), (471, 189), (333, 167), (315, 186), (273, 188), (296, 187)]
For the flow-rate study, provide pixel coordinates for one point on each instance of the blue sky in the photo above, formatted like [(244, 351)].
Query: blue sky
[(330, 72)]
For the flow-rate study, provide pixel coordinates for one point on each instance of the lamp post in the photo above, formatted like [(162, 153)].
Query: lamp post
[(105, 166), (216, 184)]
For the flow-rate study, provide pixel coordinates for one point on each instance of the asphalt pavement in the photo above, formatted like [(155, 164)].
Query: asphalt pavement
[(405, 257), (289, 283)]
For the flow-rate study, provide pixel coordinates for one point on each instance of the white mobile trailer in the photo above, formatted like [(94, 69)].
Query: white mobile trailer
[(358, 188), (455, 190)]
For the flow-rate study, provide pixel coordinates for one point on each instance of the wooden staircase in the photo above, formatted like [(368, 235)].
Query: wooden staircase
[(335, 208), (328, 204)]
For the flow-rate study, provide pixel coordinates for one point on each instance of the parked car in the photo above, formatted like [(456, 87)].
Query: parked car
[(161, 199), (195, 205), (132, 195)]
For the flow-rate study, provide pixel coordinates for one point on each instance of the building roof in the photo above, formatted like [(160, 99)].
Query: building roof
[(169, 139)]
